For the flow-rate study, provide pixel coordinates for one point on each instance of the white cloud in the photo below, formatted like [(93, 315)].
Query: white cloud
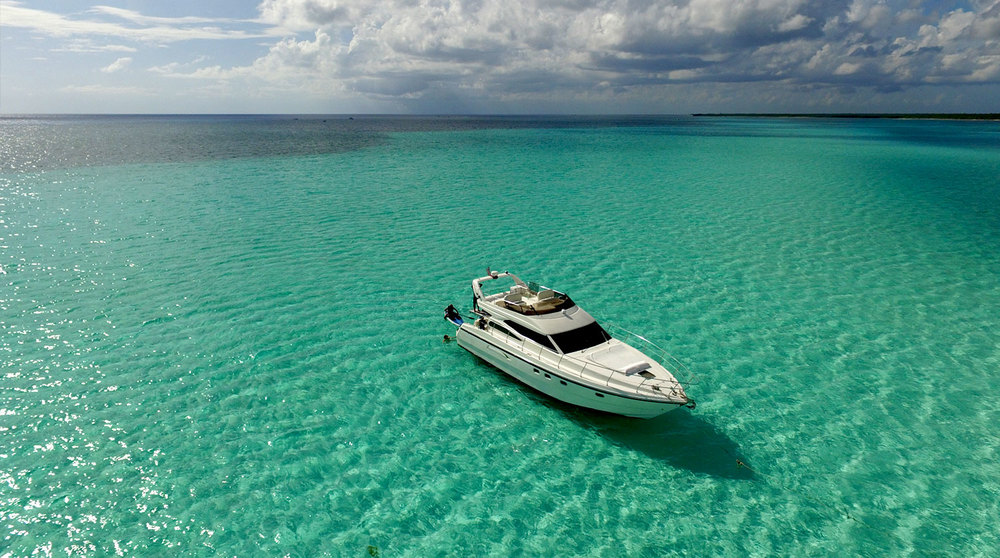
[(795, 23), (87, 45), (149, 29), (136, 17), (846, 69), (406, 47), (307, 15), (556, 50), (409, 46), (117, 65), (106, 90)]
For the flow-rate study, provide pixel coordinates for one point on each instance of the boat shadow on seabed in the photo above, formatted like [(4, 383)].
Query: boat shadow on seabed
[(680, 438)]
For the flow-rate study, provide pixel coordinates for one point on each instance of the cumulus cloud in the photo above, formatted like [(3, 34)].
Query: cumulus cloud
[(408, 48), (413, 50)]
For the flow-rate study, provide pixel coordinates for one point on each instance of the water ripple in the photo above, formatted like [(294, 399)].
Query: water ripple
[(243, 355)]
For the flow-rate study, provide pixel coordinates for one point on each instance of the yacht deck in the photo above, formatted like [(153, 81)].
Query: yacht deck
[(524, 301)]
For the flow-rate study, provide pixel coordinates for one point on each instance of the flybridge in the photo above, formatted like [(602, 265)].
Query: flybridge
[(528, 299)]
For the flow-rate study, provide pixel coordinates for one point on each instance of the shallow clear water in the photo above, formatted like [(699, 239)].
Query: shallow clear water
[(223, 336)]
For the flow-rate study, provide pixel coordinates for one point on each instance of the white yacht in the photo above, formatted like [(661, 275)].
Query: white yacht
[(543, 339)]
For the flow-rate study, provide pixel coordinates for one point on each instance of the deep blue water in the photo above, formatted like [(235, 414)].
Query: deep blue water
[(223, 335)]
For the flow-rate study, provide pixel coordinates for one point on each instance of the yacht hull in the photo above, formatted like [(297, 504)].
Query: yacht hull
[(558, 384)]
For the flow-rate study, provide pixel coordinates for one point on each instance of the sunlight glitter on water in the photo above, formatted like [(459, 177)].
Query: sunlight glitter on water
[(242, 353)]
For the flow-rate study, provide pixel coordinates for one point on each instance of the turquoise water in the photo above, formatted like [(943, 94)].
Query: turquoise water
[(224, 336)]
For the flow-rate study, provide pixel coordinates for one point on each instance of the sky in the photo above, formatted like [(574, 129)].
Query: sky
[(498, 56)]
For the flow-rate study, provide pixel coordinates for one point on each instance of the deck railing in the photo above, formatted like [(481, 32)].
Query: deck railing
[(655, 352)]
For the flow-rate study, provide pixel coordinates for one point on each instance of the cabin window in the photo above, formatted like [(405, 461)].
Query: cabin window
[(504, 330), (581, 338), (539, 338)]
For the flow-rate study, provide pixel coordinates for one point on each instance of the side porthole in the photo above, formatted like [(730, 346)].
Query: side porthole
[(563, 382), (547, 377), (599, 394)]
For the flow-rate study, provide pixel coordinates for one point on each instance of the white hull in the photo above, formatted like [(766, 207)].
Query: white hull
[(556, 377)]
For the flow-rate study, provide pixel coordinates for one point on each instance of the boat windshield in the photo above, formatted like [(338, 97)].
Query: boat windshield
[(581, 338)]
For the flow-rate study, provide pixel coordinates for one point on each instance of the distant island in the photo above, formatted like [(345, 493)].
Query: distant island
[(916, 116)]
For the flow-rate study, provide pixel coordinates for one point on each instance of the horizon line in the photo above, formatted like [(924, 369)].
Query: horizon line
[(888, 115)]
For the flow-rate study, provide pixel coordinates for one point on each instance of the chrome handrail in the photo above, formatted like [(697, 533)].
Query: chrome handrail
[(659, 353)]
